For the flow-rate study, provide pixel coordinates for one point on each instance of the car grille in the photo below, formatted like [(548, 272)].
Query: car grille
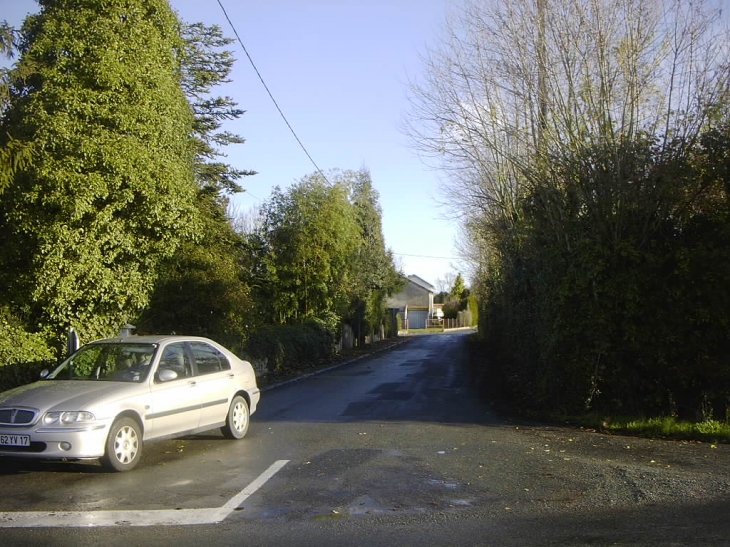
[(17, 416)]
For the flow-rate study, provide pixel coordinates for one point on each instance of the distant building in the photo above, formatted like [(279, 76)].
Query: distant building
[(414, 303)]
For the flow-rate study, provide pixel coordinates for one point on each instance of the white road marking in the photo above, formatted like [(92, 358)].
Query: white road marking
[(160, 517)]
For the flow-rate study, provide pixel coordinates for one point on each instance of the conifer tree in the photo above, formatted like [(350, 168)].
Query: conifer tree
[(109, 190)]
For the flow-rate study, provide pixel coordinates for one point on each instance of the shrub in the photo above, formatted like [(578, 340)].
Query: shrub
[(451, 309), (20, 374), (292, 347), (473, 307), (20, 346), (23, 354)]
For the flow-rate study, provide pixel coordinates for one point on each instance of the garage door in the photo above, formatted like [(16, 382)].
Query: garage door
[(417, 319)]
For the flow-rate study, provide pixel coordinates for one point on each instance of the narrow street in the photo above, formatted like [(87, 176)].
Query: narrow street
[(394, 449)]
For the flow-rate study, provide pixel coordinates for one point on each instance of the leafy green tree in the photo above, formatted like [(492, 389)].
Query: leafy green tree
[(456, 299), (109, 190), (441, 297), (7, 39), (259, 271), (206, 64), (319, 252), (374, 275), (310, 235), (17, 345), (200, 289), (12, 153), (458, 289)]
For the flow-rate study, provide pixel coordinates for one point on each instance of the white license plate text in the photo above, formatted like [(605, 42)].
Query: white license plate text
[(14, 440)]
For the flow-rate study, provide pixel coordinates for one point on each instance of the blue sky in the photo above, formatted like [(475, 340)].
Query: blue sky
[(339, 72)]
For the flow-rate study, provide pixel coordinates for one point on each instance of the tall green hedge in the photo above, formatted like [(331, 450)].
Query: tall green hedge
[(287, 348), (623, 305)]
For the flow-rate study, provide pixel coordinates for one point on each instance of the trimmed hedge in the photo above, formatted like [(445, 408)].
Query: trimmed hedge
[(23, 354), (19, 374), (286, 348)]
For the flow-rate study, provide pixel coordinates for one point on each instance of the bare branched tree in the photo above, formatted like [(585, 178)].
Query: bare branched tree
[(515, 83), (245, 221)]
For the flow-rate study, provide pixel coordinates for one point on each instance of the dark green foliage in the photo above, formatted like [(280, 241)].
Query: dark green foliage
[(320, 252), (21, 373), (201, 290), (458, 300), (13, 154), (7, 39), (473, 306), (451, 308), (310, 236), (23, 354), (293, 347), (624, 305), (109, 191), (374, 276), (440, 298), (459, 290), (589, 158), (121, 205), (206, 64), (121, 214), (18, 345)]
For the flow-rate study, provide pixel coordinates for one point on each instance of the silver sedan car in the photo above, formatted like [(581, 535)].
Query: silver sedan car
[(113, 395)]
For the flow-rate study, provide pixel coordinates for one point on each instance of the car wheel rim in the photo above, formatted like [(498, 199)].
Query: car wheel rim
[(239, 417), (126, 445)]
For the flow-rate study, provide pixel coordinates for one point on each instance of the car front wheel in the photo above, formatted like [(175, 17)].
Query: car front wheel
[(237, 421), (123, 445)]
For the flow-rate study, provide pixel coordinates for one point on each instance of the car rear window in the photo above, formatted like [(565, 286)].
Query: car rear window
[(208, 359)]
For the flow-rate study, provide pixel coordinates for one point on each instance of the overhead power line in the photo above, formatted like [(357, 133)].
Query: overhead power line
[(235, 32)]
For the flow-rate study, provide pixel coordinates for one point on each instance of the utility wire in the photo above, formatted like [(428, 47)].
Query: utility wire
[(269, 92)]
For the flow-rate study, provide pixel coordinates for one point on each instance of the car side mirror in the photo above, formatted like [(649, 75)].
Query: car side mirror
[(166, 375), (45, 372)]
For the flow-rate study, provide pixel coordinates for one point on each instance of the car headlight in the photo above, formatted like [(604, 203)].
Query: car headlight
[(67, 418)]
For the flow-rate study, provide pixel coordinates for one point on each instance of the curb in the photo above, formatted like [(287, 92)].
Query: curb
[(331, 367)]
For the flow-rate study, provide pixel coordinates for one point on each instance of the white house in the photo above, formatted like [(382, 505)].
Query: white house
[(414, 303)]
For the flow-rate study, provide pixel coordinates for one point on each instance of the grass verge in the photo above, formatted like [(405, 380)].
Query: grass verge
[(667, 427)]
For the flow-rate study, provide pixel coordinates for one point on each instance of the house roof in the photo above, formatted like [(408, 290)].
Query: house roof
[(422, 283)]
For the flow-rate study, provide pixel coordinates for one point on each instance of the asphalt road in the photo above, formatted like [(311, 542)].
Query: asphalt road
[(394, 449)]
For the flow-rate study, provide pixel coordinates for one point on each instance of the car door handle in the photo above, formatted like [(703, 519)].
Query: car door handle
[(192, 383)]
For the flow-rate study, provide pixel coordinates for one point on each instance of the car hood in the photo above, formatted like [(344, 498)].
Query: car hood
[(67, 394)]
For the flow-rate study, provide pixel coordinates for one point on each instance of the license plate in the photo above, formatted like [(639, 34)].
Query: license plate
[(14, 440)]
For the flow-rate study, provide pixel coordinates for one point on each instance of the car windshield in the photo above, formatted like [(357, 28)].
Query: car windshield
[(107, 361)]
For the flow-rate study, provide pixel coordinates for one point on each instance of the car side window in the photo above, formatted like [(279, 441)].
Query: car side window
[(208, 359), (176, 359)]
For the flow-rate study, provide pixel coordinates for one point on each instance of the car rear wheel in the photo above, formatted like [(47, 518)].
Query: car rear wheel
[(237, 421), (123, 445)]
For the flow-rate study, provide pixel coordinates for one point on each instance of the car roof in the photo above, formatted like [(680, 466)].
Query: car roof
[(152, 339)]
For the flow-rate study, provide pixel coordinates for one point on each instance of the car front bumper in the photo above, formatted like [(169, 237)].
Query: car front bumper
[(77, 442)]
